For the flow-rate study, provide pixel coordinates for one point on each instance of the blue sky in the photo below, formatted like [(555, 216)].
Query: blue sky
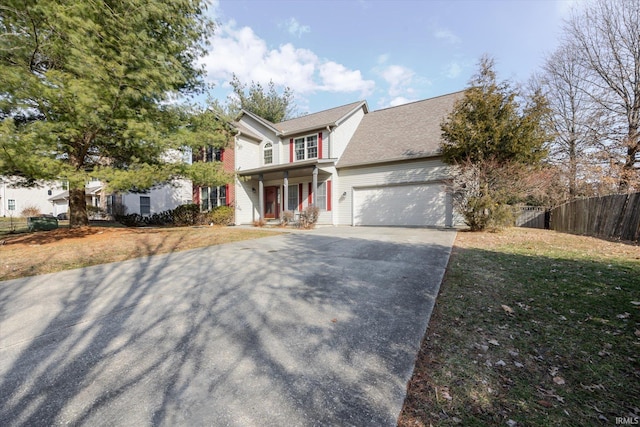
[(333, 52)]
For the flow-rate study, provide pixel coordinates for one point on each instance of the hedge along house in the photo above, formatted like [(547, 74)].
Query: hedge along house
[(358, 167)]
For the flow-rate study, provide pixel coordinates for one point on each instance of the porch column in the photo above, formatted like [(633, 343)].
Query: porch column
[(261, 195), (314, 185), (286, 191)]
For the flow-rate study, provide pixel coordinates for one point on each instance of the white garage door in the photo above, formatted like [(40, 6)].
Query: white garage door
[(401, 205)]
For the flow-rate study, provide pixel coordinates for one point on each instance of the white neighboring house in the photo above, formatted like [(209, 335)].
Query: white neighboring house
[(358, 167), (14, 199), (53, 198)]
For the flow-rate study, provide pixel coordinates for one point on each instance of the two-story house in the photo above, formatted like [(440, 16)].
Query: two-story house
[(359, 167)]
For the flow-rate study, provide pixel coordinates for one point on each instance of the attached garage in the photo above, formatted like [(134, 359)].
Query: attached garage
[(423, 204)]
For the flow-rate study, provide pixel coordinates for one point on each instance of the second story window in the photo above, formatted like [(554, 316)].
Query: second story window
[(306, 148), (213, 154), (268, 153)]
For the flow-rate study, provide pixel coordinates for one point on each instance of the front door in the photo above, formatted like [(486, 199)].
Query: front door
[(271, 205)]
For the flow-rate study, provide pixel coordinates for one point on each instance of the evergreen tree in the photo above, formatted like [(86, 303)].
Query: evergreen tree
[(266, 103), (87, 90), (490, 123), (492, 140)]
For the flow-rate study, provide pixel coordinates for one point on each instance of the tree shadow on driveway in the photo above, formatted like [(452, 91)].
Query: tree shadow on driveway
[(300, 329)]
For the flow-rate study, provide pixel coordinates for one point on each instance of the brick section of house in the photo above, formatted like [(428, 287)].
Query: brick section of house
[(228, 165)]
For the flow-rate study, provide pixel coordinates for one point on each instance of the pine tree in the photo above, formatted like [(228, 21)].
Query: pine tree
[(88, 89)]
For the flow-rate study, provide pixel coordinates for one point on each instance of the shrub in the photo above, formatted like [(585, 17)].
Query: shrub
[(287, 218), (162, 218), (30, 210), (309, 217), (131, 220), (221, 215), (188, 214), (95, 212), (259, 223)]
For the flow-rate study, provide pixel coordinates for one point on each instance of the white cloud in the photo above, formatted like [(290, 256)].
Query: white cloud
[(294, 28), (447, 35), (383, 58), (453, 70), (337, 78), (243, 52), (399, 78), (399, 100)]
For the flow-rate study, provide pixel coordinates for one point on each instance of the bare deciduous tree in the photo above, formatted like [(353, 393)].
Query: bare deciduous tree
[(574, 121), (605, 35)]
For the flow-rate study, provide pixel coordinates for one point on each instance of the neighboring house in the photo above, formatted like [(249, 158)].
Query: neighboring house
[(52, 198), (359, 167), (224, 195), (13, 200), (154, 200)]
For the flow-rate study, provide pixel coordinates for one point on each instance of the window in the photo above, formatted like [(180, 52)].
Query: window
[(293, 198), (268, 153), (213, 154), (210, 197), (321, 196), (145, 205), (306, 148), (11, 204), (312, 147)]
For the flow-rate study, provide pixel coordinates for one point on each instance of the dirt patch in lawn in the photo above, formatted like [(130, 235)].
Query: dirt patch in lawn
[(49, 251)]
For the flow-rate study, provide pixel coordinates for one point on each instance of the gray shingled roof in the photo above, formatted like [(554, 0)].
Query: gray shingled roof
[(408, 131), (317, 120)]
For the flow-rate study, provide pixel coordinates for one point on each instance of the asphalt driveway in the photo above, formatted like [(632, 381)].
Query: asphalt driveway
[(317, 328)]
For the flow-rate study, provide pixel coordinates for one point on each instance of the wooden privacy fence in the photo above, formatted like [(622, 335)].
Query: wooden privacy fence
[(532, 217), (612, 217)]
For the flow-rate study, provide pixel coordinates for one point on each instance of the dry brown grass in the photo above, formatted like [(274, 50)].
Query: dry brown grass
[(49, 251)]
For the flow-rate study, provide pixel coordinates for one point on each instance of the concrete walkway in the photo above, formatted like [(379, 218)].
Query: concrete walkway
[(301, 329)]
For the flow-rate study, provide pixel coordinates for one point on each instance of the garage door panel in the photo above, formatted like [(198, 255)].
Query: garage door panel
[(400, 205)]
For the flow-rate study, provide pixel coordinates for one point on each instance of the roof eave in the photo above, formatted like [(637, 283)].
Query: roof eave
[(432, 155), (285, 166), (264, 122)]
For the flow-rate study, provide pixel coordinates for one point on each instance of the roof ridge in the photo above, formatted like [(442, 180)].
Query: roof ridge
[(322, 111)]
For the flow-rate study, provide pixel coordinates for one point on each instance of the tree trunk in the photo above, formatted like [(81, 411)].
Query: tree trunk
[(77, 208)]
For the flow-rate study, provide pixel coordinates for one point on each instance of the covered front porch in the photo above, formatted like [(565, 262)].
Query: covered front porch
[(275, 189)]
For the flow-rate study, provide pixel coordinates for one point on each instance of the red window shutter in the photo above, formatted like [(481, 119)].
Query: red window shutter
[(226, 193), (320, 145), (328, 195), (196, 195), (310, 196), (300, 196), (291, 150), (222, 155)]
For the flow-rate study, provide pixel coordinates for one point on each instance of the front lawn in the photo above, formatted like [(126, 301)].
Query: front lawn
[(531, 328), (42, 252)]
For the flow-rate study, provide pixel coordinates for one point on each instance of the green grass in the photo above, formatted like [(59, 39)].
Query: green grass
[(564, 349)]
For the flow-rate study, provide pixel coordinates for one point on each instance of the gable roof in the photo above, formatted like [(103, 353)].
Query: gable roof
[(245, 131), (404, 132), (319, 120)]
